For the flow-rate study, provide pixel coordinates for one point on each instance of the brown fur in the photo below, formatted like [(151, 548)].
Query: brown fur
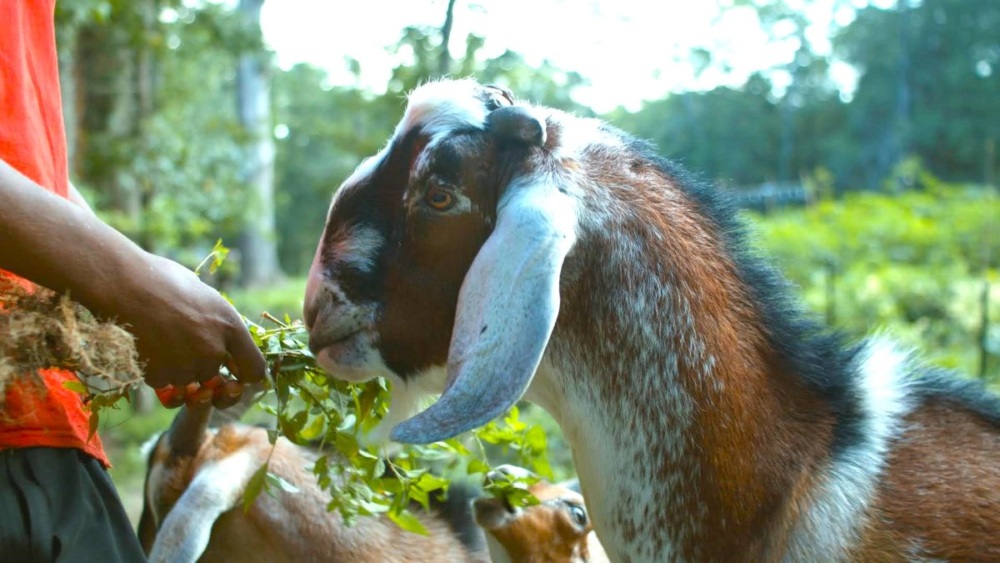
[(544, 532), (772, 402), (291, 526), (941, 495)]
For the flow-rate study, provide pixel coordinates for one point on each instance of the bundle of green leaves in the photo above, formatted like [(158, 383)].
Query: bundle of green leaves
[(314, 408)]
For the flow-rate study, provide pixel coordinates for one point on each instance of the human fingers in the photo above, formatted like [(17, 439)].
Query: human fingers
[(170, 397), (227, 394), (247, 363), (196, 396)]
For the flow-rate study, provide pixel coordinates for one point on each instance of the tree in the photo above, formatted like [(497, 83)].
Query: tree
[(929, 85), (258, 243)]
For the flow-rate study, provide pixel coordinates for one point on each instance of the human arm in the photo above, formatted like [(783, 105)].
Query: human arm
[(184, 329), (76, 197)]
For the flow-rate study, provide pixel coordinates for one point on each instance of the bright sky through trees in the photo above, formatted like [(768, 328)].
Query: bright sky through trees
[(630, 50)]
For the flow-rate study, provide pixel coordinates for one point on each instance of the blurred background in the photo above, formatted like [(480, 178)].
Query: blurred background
[(859, 137)]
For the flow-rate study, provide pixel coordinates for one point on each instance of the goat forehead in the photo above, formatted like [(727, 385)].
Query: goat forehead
[(439, 108)]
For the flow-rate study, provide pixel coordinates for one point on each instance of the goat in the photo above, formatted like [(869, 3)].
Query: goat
[(494, 249), (557, 530), (193, 506)]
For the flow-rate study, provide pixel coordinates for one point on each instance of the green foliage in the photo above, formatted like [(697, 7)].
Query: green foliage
[(911, 264), (158, 144), (280, 300), (929, 81), (931, 78), (314, 408)]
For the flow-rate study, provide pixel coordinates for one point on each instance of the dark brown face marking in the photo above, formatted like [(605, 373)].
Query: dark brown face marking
[(428, 262), (419, 269)]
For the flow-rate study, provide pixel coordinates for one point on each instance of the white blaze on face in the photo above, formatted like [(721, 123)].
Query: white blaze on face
[(441, 108), (355, 247)]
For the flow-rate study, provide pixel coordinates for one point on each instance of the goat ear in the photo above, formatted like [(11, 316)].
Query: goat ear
[(516, 123), (507, 308)]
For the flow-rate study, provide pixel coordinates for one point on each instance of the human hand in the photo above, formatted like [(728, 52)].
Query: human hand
[(185, 331), (221, 393)]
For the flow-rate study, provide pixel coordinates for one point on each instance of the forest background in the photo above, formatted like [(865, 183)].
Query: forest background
[(878, 200)]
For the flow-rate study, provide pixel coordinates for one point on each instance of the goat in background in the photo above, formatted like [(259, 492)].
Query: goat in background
[(558, 530), (193, 506), (494, 249)]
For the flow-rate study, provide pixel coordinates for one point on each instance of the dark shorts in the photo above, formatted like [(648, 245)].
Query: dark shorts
[(60, 505)]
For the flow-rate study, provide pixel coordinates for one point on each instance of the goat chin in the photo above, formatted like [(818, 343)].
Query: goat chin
[(535, 253)]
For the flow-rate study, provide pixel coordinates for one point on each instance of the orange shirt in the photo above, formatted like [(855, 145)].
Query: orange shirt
[(33, 141)]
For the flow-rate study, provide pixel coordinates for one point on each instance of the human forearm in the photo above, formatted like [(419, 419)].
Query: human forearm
[(76, 197), (60, 245), (184, 329)]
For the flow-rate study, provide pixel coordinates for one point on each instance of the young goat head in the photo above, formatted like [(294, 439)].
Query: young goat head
[(557, 530), (495, 250)]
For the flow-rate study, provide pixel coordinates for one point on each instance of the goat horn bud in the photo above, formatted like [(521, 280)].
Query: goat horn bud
[(516, 123)]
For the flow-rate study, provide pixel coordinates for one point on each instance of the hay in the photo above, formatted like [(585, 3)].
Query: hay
[(41, 329)]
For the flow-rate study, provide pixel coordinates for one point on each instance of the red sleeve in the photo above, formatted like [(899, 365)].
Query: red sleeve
[(33, 141), (32, 134)]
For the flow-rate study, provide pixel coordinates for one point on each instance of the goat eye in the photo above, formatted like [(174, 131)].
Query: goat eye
[(579, 515), (439, 199)]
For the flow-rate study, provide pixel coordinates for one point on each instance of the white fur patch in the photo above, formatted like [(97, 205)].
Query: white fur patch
[(355, 359), (837, 514), (441, 107), (216, 488), (498, 553), (357, 247), (407, 399), (146, 447)]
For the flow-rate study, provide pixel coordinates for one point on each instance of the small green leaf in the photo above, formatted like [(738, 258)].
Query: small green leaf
[(476, 466), (94, 423), (314, 429), (407, 521), (76, 386), (219, 253), (256, 484), (280, 482)]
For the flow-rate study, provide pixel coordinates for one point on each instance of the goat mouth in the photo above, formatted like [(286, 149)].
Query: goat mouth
[(349, 357), (492, 513), (319, 343), (508, 506)]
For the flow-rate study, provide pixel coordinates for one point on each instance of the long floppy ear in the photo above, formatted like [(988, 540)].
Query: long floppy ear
[(507, 308)]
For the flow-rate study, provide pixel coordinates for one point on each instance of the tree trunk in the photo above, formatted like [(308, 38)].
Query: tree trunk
[(258, 243), (444, 62)]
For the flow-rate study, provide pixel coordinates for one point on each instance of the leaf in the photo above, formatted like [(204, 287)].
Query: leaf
[(256, 484), (219, 252), (476, 466), (94, 423), (280, 482), (314, 429), (518, 497), (407, 521), (76, 386)]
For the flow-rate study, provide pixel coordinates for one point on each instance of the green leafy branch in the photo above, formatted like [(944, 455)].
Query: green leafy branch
[(313, 408)]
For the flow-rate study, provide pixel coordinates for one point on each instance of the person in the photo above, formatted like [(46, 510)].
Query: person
[(56, 498)]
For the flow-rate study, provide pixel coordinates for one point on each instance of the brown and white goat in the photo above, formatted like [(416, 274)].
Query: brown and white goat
[(193, 506), (557, 530), (494, 249)]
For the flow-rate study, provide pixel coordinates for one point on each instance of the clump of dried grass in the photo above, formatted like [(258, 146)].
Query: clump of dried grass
[(41, 329)]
